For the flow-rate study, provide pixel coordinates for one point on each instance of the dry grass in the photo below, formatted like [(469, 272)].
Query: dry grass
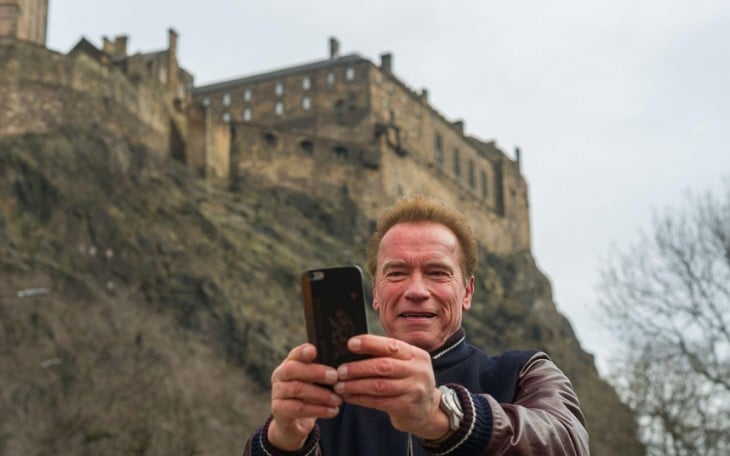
[(110, 376)]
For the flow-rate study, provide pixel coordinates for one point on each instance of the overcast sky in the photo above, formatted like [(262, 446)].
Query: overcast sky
[(619, 107)]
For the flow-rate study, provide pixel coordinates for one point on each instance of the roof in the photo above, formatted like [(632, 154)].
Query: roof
[(288, 71)]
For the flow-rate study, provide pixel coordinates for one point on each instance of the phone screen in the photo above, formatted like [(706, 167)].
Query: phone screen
[(334, 307)]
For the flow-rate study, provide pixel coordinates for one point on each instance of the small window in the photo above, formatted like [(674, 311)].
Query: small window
[(271, 139), (247, 114), (279, 88), (279, 108), (331, 78), (226, 99), (350, 73), (306, 103), (206, 101), (438, 144), (247, 95), (227, 117), (457, 163), (307, 146), (306, 83), (472, 174), (340, 152), (485, 191)]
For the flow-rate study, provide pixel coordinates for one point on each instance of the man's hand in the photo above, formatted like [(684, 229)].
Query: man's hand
[(398, 380), (298, 399)]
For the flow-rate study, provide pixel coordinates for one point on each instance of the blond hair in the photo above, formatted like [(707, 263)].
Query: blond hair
[(420, 208)]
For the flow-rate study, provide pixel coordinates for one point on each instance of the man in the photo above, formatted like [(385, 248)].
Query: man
[(425, 390)]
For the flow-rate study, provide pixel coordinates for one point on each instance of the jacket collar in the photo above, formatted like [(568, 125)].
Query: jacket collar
[(453, 342)]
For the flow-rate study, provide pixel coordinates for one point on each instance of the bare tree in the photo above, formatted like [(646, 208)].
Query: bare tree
[(668, 299)]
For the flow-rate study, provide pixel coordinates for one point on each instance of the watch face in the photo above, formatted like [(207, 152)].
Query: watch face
[(451, 407)]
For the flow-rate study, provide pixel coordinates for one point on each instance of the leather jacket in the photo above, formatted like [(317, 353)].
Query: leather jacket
[(518, 403)]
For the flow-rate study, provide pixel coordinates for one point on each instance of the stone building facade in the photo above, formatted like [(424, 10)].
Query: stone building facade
[(25, 20), (339, 125), (296, 123), (143, 97)]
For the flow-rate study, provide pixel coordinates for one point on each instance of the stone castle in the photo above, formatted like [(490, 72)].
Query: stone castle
[(339, 125)]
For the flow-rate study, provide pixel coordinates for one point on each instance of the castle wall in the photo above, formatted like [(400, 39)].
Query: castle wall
[(374, 176), (41, 90), (24, 20), (430, 138), (353, 105)]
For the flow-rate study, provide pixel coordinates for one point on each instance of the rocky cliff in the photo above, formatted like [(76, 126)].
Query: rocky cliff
[(142, 309)]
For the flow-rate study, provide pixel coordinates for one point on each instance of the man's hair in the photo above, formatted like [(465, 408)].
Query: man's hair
[(418, 209)]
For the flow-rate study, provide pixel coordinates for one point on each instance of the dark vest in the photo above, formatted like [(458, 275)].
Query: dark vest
[(360, 431)]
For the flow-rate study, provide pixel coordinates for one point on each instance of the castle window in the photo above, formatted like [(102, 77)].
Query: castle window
[(306, 83), (271, 139), (307, 146), (279, 108), (279, 88), (227, 117), (457, 163), (247, 95), (484, 184), (472, 174), (206, 101), (438, 144), (331, 78), (226, 99), (247, 114), (350, 73), (306, 103), (340, 152)]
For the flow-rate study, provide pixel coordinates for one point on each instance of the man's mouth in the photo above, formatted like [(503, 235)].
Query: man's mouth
[(417, 315)]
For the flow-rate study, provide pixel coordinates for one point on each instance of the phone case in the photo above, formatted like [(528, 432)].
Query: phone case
[(334, 307)]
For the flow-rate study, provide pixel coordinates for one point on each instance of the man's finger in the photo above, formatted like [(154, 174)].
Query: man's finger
[(380, 346)]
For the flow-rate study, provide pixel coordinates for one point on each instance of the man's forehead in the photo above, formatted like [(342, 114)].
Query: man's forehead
[(422, 237)]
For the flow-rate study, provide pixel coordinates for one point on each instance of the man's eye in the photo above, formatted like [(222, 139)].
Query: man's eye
[(439, 273)]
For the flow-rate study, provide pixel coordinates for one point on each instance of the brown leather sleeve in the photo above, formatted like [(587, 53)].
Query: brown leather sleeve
[(544, 419)]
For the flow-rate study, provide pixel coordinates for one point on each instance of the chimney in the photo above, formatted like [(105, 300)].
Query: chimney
[(518, 157), (107, 46), (120, 45), (459, 125), (386, 62), (172, 68), (424, 94), (172, 41), (334, 48)]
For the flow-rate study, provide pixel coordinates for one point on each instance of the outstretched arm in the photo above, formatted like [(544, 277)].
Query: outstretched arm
[(544, 419)]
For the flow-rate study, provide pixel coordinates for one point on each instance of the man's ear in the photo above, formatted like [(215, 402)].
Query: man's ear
[(376, 302), (466, 302)]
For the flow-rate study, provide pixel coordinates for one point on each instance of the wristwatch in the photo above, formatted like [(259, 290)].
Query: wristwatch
[(451, 406)]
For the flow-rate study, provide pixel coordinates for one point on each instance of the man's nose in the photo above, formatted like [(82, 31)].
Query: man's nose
[(417, 289)]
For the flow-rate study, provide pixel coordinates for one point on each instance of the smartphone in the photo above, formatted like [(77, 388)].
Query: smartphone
[(334, 309)]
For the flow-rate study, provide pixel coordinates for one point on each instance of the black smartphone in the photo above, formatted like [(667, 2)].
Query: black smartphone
[(334, 308)]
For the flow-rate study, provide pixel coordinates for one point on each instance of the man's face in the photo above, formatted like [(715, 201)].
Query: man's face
[(419, 289)]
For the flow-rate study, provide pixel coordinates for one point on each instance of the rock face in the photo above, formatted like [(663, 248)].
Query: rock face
[(142, 309)]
